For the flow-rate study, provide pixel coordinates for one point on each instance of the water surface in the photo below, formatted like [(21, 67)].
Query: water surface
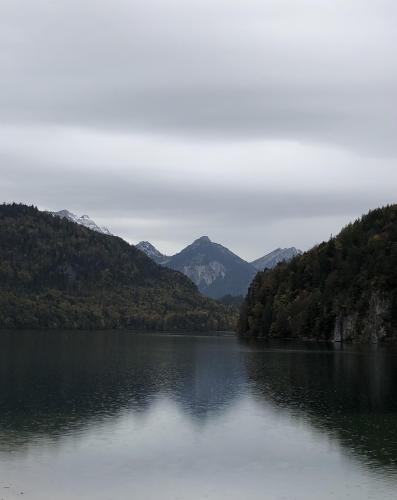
[(115, 415)]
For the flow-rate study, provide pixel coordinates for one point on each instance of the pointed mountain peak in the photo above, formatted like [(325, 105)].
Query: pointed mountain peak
[(202, 239), (151, 251), (145, 244), (66, 213), (147, 247), (213, 268)]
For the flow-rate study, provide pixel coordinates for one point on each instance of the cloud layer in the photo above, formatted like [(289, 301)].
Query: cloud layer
[(260, 123)]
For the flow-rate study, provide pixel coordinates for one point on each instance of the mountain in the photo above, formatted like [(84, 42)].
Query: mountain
[(55, 273), (152, 252), (83, 220), (275, 257), (343, 289), (216, 270)]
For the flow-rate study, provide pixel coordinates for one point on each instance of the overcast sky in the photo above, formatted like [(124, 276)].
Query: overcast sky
[(260, 123)]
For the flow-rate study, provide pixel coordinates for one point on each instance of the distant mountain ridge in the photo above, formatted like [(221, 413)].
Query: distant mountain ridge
[(273, 258), (83, 220), (216, 270)]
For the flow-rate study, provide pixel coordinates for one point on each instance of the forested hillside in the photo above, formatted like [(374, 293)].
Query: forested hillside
[(344, 289), (57, 274)]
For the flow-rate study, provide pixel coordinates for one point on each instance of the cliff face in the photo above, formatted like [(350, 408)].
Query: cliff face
[(372, 326), (342, 290)]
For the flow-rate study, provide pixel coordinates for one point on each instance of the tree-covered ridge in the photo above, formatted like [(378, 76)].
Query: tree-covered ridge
[(57, 274), (344, 289)]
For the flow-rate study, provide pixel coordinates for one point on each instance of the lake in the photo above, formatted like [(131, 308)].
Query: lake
[(117, 415)]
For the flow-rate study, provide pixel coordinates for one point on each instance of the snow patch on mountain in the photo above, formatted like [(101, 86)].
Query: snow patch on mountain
[(152, 252), (82, 220)]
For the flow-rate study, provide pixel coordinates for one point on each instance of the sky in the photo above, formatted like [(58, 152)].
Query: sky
[(260, 123)]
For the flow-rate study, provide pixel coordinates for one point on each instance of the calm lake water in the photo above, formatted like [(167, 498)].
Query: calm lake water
[(123, 416)]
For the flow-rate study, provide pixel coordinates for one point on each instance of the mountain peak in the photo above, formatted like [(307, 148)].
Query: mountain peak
[(151, 251), (145, 244), (213, 268), (66, 213), (273, 258), (203, 239)]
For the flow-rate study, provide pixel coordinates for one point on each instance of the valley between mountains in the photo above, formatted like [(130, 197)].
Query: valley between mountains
[(61, 271), (216, 270)]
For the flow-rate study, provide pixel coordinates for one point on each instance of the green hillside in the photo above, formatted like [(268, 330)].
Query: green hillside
[(57, 274), (344, 289)]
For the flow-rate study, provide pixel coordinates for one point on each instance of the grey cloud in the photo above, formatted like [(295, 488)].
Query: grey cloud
[(238, 69), (260, 122), (251, 219)]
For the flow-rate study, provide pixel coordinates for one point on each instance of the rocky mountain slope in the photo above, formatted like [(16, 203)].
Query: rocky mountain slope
[(270, 260), (215, 269), (58, 274), (344, 289)]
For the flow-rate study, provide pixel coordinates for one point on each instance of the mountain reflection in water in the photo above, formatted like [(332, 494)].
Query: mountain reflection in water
[(114, 414)]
